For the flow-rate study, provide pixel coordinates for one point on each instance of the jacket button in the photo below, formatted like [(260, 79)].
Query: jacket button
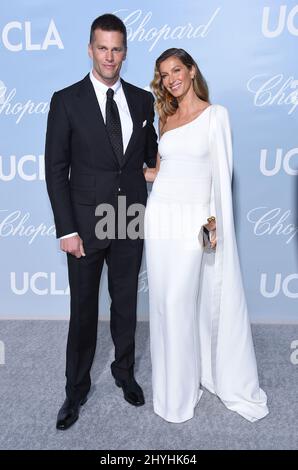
[(120, 171)]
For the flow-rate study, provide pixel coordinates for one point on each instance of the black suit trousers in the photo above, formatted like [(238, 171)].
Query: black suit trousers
[(123, 258)]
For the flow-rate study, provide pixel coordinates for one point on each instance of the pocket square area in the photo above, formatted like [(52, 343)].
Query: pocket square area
[(144, 123)]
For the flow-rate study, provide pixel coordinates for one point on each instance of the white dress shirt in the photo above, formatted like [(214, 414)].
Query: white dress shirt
[(125, 117), (119, 96)]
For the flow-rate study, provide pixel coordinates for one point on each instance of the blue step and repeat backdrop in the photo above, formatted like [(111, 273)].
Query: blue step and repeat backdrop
[(247, 50)]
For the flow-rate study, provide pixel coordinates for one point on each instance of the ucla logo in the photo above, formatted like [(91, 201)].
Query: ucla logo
[(17, 36), (273, 25), (270, 165), (39, 283), (288, 286), (27, 168)]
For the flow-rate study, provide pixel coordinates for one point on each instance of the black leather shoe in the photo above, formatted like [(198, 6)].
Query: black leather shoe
[(69, 413), (132, 391)]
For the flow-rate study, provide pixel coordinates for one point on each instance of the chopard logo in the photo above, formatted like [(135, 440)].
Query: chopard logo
[(139, 28), (11, 107), (2, 95), (16, 224), (276, 90), (143, 282), (272, 222)]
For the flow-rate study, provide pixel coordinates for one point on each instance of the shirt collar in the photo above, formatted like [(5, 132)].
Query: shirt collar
[(101, 88)]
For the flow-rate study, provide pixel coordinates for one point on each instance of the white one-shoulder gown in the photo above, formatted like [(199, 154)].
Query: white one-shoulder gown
[(199, 327)]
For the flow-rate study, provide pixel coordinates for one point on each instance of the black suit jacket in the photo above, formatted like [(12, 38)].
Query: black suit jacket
[(81, 168)]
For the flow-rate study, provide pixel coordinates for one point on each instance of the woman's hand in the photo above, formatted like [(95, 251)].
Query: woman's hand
[(211, 226), (213, 240), (150, 174)]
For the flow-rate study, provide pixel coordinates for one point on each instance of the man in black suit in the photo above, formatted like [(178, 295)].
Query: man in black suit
[(100, 132)]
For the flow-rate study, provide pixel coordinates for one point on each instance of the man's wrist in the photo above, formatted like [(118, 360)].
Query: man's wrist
[(69, 235)]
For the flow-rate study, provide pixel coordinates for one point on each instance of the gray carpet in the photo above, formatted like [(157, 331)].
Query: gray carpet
[(32, 390)]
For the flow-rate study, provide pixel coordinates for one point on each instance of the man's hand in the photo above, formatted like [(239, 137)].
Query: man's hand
[(73, 245)]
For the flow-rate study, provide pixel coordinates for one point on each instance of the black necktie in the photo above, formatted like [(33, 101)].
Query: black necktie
[(113, 125)]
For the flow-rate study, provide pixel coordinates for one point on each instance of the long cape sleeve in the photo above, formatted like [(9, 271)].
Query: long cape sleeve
[(228, 364)]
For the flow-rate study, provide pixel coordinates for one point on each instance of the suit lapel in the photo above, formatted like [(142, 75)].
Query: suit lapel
[(135, 110), (93, 118)]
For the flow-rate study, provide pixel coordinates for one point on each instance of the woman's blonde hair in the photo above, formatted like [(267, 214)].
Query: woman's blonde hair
[(166, 104)]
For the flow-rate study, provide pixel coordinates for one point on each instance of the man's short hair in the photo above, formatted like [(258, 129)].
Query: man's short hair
[(109, 22)]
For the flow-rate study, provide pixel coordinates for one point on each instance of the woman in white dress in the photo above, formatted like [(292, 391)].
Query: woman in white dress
[(199, 326)]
